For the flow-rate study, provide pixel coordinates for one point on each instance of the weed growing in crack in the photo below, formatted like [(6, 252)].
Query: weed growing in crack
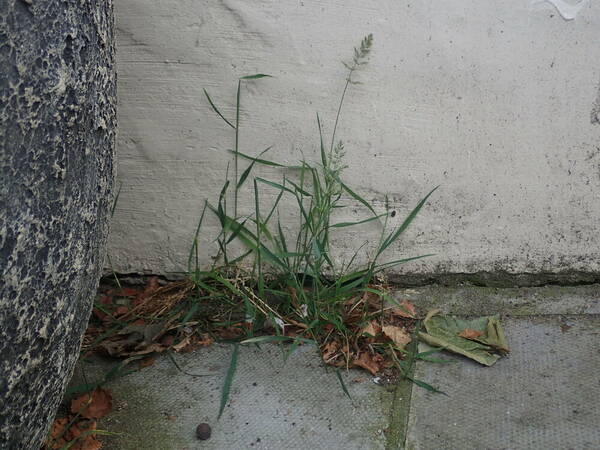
[(294, 291)]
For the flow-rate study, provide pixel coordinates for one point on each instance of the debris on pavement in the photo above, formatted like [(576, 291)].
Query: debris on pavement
[(481, 339), (203, 431)]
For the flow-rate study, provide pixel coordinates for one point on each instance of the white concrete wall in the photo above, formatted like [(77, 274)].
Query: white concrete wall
[(496, 101)]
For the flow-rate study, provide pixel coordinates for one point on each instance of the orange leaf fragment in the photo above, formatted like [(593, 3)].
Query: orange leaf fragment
[(121, 310), (469, 333), (57, 433), (366, 361), (372, 328), (147, 362), (329, 351), (398, 335), (407, 309), (93, 406), (88, 443)]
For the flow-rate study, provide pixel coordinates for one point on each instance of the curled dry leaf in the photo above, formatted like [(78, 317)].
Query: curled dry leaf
[(330, 350), (147, 362), (128, 292), (398, 335), (469, 333), (406, 309), (372, 329), (94, 405), (83, 436), (185, 342), (89, 442), (368, 362), (57, 433)]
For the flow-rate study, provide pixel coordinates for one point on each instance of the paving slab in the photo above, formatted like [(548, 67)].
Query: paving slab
[(545, 395), (273, 404), (518, 301)]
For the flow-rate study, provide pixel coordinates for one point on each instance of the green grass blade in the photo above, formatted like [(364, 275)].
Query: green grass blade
[(356, 197), (257, 160), (380, 267), (240, 258), (215, 109), (323, 155), (194, 249), (298, 188), (265, 339), (248, 238), (114, 205), (292, 349), (256, 76), (396, 234), (275, 185), (425, 386), (237, 147), (341, 380), (349, 224), (249, 168), (228, 380)]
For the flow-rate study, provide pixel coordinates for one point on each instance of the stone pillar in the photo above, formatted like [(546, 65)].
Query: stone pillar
[(57, 134)]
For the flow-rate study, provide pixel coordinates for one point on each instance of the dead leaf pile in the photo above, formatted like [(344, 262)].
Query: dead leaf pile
[(373, 345), (78, 430), (138, 321)]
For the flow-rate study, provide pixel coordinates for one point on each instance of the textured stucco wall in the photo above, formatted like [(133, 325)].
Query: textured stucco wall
[(57, 136), (497, 102)]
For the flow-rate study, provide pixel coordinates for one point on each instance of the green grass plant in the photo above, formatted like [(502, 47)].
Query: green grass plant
[(293, 281)]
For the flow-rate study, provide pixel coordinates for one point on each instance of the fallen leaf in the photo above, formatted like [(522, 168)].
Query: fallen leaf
[(147, 362), (106, 300), (57, 433), (182, 344), (152, 348), (359, 380), (81, 427), (443, 331), (99, 314), (93, 406), (564, 327), (167, 340), (89, 442), (152, 285), (206, 341), (372, 329), (398, 335), (330, 351), (406, 309), (366, 361), (121, 310), (128, 292), (469, 333)]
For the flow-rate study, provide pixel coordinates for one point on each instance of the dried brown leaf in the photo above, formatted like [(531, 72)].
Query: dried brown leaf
[(147, 362), (92, 405), (368, 362), (330, 351), (398, 335), (372, 329), (182, 344), (406, 309)]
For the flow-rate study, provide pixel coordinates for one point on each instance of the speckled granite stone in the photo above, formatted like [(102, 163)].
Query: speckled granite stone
[(57, 133)]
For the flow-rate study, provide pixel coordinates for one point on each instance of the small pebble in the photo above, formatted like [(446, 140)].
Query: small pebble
[(203, 431)]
